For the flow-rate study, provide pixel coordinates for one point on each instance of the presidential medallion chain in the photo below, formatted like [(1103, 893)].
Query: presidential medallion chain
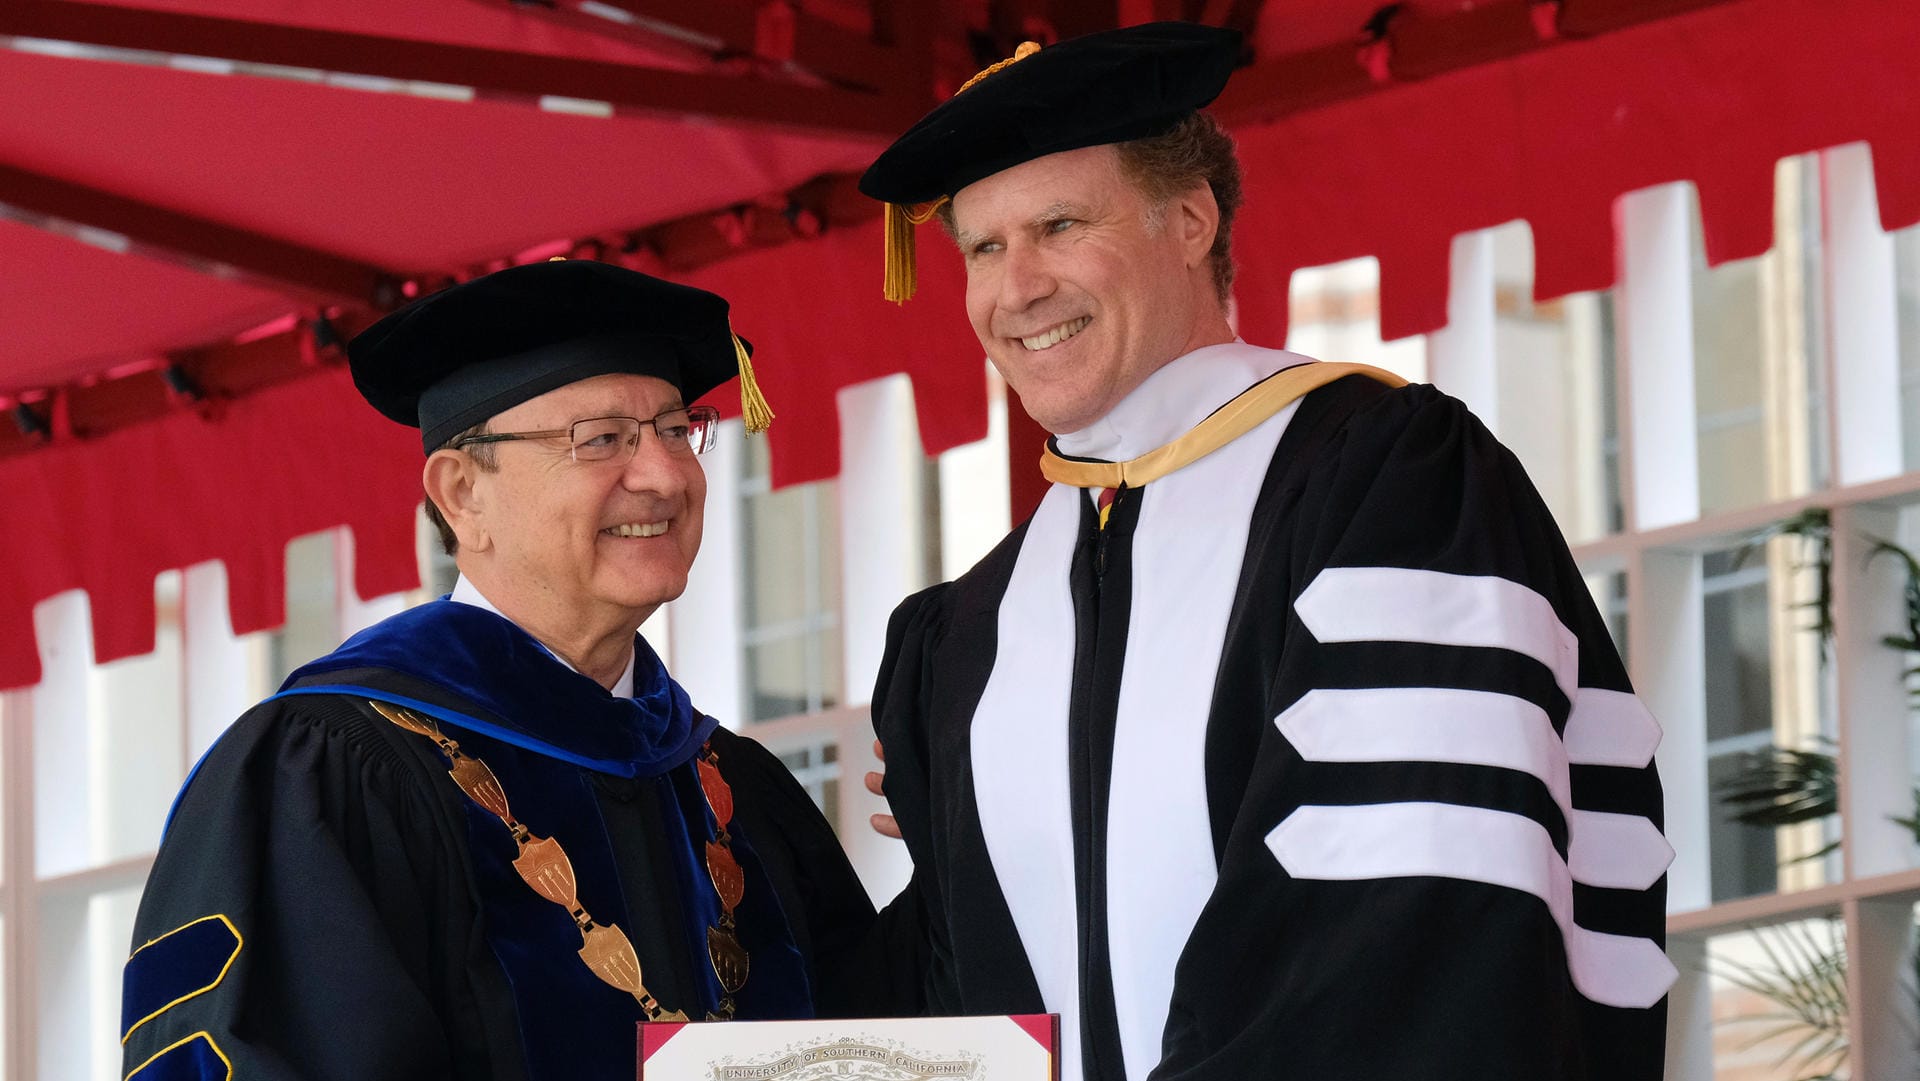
[(544, 865), (729, 957)]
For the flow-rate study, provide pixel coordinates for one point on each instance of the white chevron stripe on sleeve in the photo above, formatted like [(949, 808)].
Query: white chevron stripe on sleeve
[(1428, 724), (1616, 851), (1402, 604), (1400, 840), (1448, 724), (1610, 728)]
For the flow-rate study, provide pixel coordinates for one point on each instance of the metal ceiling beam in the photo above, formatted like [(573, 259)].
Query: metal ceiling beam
[(224, 370), (492, 72), (775, 33), (202, 379), (210, 247), (1423, 42)]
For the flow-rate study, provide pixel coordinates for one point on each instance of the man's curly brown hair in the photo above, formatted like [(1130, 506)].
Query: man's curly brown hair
[(1197, 150)]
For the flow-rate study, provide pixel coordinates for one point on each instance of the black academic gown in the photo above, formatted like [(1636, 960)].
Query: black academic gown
[(328, 904), (1384, 802)]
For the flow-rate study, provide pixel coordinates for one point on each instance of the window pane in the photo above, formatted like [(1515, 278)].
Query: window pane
[(109, 744), (832, 685), (1556, 387), (1334, 314), (10, 715), (438, 572), (136, 719), (1609, 592), (792, 674), (1728, 385), (1739, 690), (1771, 767), (791, 597), (816, 767), (4, 962), (777, 678), (780, 543), (313, 605), (1757, 349), (1906, 261), (826, 553), (1903, 804), (84, 943)]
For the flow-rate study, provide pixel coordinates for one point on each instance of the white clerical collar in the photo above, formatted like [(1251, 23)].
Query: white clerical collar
[(467, 593), (1172, 400)]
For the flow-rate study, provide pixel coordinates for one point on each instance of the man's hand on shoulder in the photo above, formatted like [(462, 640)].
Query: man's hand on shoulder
[(884, 825)]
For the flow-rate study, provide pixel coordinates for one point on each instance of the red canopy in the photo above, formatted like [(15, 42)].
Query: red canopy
[(189, 241)]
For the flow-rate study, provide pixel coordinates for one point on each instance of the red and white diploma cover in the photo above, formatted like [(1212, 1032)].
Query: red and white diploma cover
[(1021, 1047)]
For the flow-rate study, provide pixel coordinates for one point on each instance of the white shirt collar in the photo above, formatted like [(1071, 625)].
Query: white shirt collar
[(466, 592), (1172, 400)]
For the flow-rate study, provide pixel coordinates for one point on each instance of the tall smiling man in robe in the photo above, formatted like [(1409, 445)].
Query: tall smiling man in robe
[(1284, 740), (487, 836)]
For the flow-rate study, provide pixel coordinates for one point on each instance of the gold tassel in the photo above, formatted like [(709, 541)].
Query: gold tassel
[(753, 404), (902, 273)]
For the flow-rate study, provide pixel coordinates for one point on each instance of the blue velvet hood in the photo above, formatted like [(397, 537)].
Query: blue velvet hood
[(561, 713)]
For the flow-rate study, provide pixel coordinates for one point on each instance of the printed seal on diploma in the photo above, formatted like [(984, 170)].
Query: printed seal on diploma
[(1019, 1047)]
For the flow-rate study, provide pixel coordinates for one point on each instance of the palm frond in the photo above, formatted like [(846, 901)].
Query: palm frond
[(1803, 977), (1814, 528), (1910, 593), (1912, 823), (1783, 787)]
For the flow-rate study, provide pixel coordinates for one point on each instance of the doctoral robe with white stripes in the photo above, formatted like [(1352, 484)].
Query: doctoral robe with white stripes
[(1317, 763)]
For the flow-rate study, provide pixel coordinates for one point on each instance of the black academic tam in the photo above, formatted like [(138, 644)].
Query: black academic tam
[(1102, 88), (453, 359)]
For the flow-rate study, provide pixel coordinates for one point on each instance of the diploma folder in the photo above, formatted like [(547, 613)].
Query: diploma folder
[(1017, 1047)]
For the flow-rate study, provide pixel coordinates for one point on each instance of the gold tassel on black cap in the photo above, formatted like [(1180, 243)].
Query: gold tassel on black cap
[(902, 273), (753, 404), (901, 270)]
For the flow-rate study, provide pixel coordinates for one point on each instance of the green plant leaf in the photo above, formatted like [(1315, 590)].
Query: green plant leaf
[(1783, 788), (1804, 977)]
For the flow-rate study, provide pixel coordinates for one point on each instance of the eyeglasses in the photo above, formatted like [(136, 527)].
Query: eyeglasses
[(609, 439)]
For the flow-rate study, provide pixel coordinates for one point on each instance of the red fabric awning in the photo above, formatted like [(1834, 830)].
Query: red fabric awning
[(72, 309), (403, 183), (1715, 97), (107, 515), (399, 181)]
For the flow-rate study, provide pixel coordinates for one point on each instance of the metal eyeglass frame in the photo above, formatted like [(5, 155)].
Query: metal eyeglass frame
[(703, 419)]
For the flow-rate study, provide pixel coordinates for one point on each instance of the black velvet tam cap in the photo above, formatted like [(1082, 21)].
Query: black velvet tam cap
[(451, 360), (1101, 88)]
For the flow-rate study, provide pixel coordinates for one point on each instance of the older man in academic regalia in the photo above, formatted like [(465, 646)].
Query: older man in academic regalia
[(487, 836), (1283, 741)]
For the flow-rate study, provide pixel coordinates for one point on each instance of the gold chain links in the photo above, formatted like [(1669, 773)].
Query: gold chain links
[(544, 865), (729, 957)]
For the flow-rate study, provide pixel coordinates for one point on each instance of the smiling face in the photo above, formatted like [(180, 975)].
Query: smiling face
[(582, 545), (1078, 287)]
